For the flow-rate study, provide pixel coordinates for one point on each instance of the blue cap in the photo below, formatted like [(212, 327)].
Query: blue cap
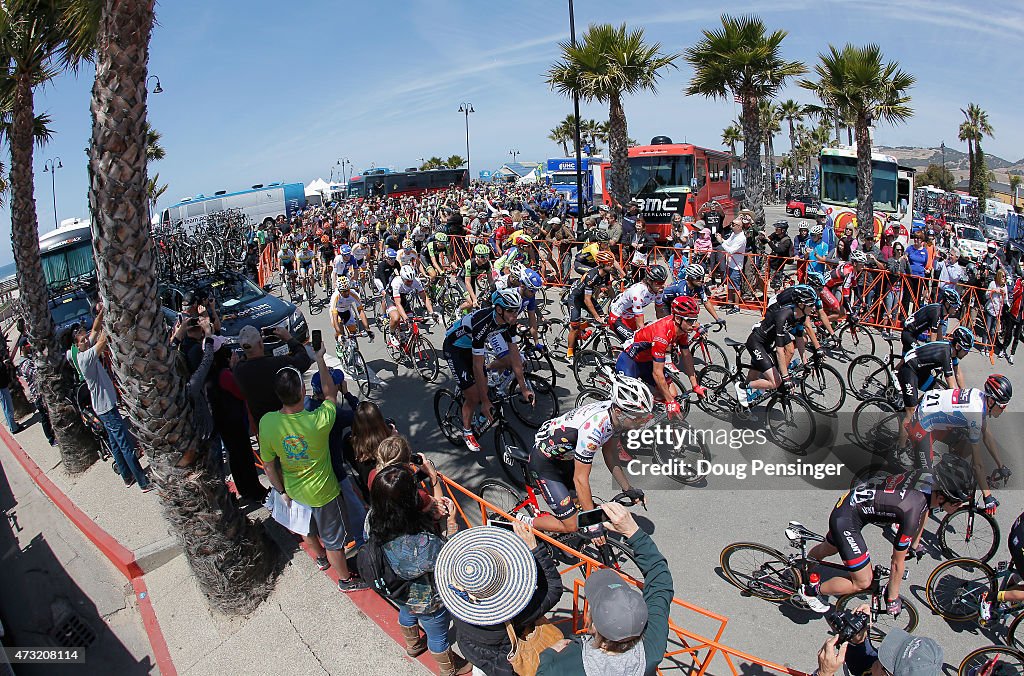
[(337, 375), (391, 253)]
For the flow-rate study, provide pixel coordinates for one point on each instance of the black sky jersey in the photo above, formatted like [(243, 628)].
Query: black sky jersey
[(773, 330), (473, 331), (590, 282), (937, 354), (927, 318)]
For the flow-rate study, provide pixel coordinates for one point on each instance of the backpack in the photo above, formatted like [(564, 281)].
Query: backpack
[(374, 568)]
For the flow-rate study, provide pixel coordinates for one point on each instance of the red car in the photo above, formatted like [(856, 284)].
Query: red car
[(804, 206)]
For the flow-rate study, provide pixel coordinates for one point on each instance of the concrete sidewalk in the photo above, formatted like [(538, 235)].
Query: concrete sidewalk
[(306, 626)]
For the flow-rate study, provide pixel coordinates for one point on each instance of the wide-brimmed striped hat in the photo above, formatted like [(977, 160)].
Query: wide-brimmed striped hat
[(485, 575)]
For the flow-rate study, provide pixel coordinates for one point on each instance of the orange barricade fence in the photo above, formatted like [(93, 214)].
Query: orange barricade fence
[(687, 647), (268, 258)]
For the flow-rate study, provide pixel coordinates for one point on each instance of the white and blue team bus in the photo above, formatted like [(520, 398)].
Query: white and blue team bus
[(261, 203)]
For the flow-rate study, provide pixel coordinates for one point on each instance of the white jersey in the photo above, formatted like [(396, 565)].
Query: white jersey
[(577, 435), (942, 410), (350, 303), (343, 266), (400, 288), (408, 258), (359, 251), (631, 302)]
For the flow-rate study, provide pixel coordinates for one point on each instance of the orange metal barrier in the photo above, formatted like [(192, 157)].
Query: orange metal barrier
[(265, 268), (701, 650)]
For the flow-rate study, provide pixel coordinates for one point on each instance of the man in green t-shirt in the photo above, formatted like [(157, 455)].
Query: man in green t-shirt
[(296, 456)]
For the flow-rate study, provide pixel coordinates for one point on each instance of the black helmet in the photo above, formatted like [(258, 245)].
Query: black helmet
[(804, 294), (954, 477), (784, 225), (657, 273), (601, 235), (999, 388)]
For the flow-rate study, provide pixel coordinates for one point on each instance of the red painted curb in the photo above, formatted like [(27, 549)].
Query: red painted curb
[(119, 555)]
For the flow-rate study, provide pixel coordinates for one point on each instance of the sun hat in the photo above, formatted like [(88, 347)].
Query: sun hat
[(617, 609), (903, 654), (485, 575)]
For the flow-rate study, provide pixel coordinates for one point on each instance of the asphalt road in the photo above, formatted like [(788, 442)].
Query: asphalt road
[(692, 524)]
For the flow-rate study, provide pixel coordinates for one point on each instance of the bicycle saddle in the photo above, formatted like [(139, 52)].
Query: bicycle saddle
[(891, 339), (517, 453), (797, 531), (735, 344)]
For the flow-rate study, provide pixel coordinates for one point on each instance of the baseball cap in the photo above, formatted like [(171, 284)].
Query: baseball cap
[(617, 609), (218, 342), (249, 337), (905, 655)]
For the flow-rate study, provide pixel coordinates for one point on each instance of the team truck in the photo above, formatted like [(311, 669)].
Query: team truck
[(562, 174)]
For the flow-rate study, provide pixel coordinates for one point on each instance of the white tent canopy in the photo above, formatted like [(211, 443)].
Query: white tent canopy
[(318, 187)]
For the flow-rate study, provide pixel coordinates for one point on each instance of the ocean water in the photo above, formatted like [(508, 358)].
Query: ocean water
[(7, 270)]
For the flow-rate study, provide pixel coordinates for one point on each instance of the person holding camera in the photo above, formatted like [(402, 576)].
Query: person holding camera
[(258, 368), (900, 653)]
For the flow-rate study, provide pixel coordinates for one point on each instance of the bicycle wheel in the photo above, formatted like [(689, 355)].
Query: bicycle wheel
[(615, 554), (706, 352), (790, 423), (876, 426), (955, 588), (504, 437), (360, 373), (686, 458), (1012, 639), (587, 366), (969, 533), (882, 623), (589, 395), (506, 498), (209, 252), (823, 388), (556, 335), (855, 341), (760, 570), (994, 660), (539, 363), (545, 402), (448, 412), (868, 377), (425, 359), (716, 379)]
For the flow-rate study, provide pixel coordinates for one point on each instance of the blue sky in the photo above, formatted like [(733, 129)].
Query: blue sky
[(265, 91)]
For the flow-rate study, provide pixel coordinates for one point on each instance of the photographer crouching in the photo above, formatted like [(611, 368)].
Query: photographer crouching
[(900, 654)]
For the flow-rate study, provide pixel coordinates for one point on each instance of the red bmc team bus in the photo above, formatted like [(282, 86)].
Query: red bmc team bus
[(667, 178), (381, 182)]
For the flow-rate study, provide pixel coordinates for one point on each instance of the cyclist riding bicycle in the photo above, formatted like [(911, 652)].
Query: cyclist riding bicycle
[(901, 499), (626, 312), (960, 419), (586, 259), (828, 304), (345, 264), (326, 253), (475, 267), (286, 260), (799, 342), (769, 339), (465, 348), (643, 356), (436, 259), (581, 296), (924, 324), (408, 255), (529, 282), (304, 258), (693, 287), (915, 375), (564, 448), (846, 277), (386, 270), (404, 287), (346, 307)]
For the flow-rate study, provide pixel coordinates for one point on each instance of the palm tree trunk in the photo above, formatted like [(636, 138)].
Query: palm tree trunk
[(849, 135), (231, 557), (865, 199), (618, 149), (78, 450), (752, 183), (792, 138), (980, 175), (565, 148), (839, 126)]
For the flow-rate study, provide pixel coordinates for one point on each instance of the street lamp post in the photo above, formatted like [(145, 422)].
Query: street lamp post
[(467, 108), (52, 166), (514, 153), (943, 147), (157, 89), (579, 155)]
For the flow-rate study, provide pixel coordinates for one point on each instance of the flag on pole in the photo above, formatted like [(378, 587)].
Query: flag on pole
[(736, 98)]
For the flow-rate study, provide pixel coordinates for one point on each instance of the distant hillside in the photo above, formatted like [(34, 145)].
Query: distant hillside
[(956, 160)]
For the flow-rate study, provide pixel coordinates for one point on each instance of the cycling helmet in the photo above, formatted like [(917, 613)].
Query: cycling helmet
[(781, 224), (481, 250), (441, 238), (407, 273), (601, 236), (963, 338), (407, 244), (508, 298), (337, 375), (817, 280), (364, 241), (515, 269), (631, 395), (955, 478), (391, 253), (804, 294), (344, 283), (531, 279), (604, 258), (345, 250), (657, 274), (950, 296), (325, 239), (686, 307), (858, 256), (998, 387), (695, 271), (816, 229)]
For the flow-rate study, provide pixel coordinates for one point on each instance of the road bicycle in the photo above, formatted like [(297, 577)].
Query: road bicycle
[(347, 350), (512, 501), (820, 384), (411, 346), (994, 660), (870, 376), (769, 574), (448, 412), (956, 589), (852, 337), (788, 418)]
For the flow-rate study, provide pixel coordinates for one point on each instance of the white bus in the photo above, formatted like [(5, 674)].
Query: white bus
[(262, 204), (892, 189)]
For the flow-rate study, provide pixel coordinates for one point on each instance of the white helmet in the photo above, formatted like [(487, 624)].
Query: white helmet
[(695, 271), (816, 229), (631, 395), (344, 284), (407, 243), (407, 273), (363, 240), (515, 269), (858, 256), (508, 298)]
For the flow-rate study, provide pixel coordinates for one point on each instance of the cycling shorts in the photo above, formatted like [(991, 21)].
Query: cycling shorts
[(306, 265), (908, 338), (576, 308), (286, 267), (624, 327), (760, 354), (460, 361), (1015, 542), (347, 318), (912, 384), (644, 370), (844, 526), (406, 305), (555, 480), (828, 300)]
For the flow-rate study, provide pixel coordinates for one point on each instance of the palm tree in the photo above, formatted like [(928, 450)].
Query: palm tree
[(154, 151), (742, 59), (770, 120), (589, 131), (154, 191), (454, 162), (434, 162), (863, 88), (792, 112), (230, 556), (975, 127), (732, 135), (559, 136), (35, 46), (1014, 185), (606, 64)]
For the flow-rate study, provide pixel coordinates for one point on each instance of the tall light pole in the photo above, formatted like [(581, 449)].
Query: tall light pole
[(467, 108), (579, 151), (943, 147), (514, 153), (52, 166)]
